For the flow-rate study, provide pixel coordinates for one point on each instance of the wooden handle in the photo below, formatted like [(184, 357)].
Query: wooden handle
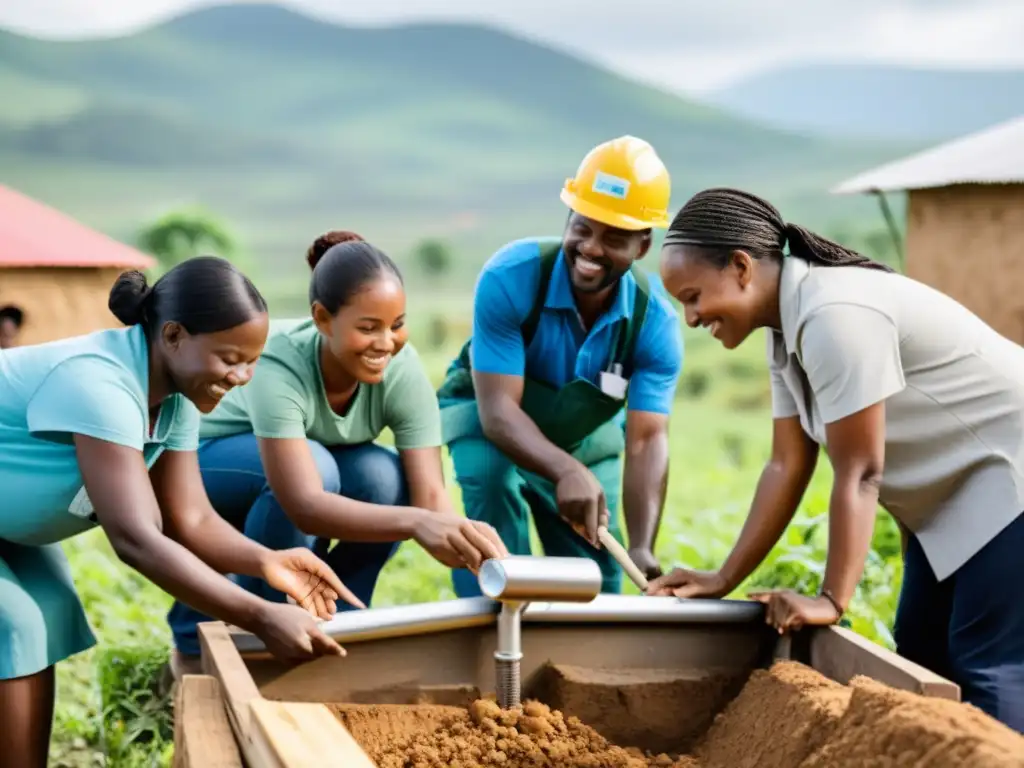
[(622, 557)]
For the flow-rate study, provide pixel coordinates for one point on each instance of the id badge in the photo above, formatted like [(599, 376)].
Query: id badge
[(613, 384)]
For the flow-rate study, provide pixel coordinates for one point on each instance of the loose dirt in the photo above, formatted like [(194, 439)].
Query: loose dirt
[(789, 716), (433, 736)]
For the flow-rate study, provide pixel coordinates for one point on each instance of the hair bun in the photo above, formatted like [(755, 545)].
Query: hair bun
[(128, 297), (327, 241)]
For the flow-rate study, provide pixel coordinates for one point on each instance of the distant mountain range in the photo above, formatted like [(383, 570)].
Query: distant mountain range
[(876, 101), (285, 126)]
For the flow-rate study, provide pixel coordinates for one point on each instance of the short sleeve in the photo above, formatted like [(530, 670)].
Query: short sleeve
[(497, 345), (658, 361), (184, 432), (851, 356), (412, 412), (783, 404), (277, 401), (89, 396)]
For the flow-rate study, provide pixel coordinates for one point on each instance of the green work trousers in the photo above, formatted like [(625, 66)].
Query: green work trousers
[(497, 492)]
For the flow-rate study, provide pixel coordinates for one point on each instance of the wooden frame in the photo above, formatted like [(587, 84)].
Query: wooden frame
[(272, 734), (223, 721)]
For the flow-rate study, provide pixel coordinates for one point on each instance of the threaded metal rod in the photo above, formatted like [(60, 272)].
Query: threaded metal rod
[(509, 685)]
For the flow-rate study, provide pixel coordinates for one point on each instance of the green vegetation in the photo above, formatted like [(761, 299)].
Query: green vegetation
[(111, 699), (179, 235)]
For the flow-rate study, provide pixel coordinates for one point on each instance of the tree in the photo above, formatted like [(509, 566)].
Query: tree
[(182, 234), (434, 258)]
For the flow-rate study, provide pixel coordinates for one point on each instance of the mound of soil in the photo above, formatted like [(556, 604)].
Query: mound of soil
[(788, 716), (779, 718), (432, 736), (917, 732)]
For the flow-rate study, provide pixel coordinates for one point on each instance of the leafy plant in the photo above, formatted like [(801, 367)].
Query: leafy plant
[(182, 234), (136, 713)]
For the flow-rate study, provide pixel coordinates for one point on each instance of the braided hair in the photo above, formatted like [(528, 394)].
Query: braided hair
[(722, 220)]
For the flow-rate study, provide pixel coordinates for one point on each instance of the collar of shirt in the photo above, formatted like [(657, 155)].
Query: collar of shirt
[(791, 278), (560, 295)]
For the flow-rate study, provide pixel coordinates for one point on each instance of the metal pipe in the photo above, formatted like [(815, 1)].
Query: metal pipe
[(527, 578), (508, 655), (357, 626), (643, 609), (517, 579), (467, 612)]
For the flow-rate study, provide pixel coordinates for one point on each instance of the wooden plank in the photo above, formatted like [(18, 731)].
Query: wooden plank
[(202, 733), (221, 660), (298, 735), (842, 654)]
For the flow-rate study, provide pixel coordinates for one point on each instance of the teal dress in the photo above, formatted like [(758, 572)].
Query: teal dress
[(95, 385)]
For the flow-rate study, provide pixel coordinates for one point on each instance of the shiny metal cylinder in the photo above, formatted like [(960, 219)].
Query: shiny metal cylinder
[(510, 633), (349, 627), (550, 579)]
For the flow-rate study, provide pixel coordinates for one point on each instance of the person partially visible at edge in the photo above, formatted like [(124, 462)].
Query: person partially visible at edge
[(291, 459), (102, 430), (567, 333), (919, 406), (11, 319)]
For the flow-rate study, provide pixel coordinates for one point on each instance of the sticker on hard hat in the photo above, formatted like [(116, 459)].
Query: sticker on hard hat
[(613, 186)]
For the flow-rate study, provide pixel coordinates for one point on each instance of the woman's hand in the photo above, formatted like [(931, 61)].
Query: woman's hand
[(682, 582), (291, 634), (788, 610), (307, 580), (457, 541)]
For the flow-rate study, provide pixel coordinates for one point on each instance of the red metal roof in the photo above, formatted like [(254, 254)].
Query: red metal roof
[(34, 235)]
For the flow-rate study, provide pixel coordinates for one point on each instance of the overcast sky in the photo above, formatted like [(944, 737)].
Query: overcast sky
[(682, 44)]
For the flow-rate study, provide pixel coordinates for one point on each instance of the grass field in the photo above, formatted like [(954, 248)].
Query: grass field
[(111, 710)]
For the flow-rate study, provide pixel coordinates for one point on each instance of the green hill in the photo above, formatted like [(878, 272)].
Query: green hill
[(286, 125)]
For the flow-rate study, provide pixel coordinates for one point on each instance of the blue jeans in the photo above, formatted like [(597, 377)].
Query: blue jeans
[(237, 486), (970, 627)]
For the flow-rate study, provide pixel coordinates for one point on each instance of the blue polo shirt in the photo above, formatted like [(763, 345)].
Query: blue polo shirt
[(561, 350)]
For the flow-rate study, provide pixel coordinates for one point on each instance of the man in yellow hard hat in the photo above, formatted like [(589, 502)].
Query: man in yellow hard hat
[(567, 334)]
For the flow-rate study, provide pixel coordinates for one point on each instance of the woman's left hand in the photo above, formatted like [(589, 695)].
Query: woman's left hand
[(306, 579), (788, 610)]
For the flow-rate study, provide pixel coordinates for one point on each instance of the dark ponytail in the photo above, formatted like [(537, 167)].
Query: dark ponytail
[(129, 296), (342, 263), (723, 220), (205, 294), (323, 244)]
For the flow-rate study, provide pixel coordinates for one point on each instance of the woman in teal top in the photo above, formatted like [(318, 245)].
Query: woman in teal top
[(102, 430), (291, 458)]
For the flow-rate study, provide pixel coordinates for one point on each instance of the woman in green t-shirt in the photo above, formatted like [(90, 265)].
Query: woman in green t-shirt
[(291, 458)]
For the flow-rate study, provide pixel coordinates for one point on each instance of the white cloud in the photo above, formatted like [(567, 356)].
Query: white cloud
[(684, 44)]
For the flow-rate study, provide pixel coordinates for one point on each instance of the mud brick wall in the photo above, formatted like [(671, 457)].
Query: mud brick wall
[(59, 302), (967, 240)]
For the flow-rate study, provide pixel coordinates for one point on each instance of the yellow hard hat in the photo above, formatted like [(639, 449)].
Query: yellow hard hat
[(621, 183)]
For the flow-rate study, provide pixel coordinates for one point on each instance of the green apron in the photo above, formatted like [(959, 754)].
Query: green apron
[(577, 417)]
